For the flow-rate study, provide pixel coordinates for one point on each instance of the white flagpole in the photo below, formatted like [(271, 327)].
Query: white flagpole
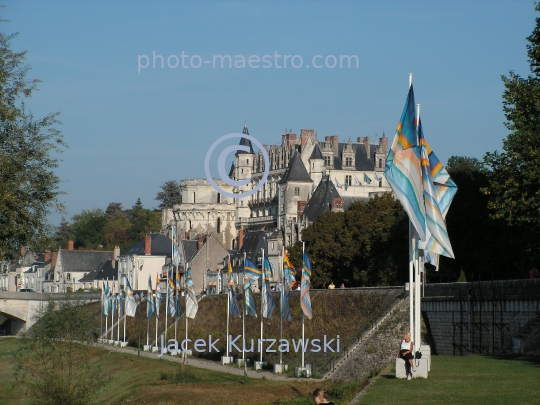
[(263, 296), (125, 301), (281, 303), (418, 282), (167, 306), (148, 298), (175, 306), (411, 282), (303, 251), (102, 305), (119, 312), (107, 315), (228, 306), (244, 318), (112, 313)]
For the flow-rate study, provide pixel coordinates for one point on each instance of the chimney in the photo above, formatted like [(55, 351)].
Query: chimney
[(240, 237), (200, 242), (337, 205), (116, 253), (53, 258), (70, 245), (301, 207), (383, 143), (367, 145), (334, 141), (304, 135), (47, 256), (148, 245)]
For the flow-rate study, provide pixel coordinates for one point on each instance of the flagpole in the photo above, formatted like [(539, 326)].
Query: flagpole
[(411, 281), (102, 304), (263, 293), (167, 306), (148, 318), (125, 301), (228, 308), (112, 314), (281, 306), (244, 318), (303, 251), (119, 312), (176, 304)]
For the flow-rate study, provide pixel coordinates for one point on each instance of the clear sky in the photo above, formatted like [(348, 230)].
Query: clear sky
[(131, 128)]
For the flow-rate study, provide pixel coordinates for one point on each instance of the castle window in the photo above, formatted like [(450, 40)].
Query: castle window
[(248, 161), (218, 198), (348, 180), (348, 161), (380, 162), (327, 160), (297, 191), (218, 225)]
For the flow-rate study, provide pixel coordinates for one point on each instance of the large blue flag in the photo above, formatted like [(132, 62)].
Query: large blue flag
[(305, 301), (192, 305), (105, 299), (121, 295), (403, 168), (289, 278), (171, 303), (266, 294), (175, 250), (251, 275), (150, 299), (157, 295)]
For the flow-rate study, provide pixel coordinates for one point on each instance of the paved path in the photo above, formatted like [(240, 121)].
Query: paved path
[(207, 364)]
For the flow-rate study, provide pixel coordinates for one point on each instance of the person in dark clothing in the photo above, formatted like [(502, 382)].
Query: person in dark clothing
[(321, 397), (406, 353)]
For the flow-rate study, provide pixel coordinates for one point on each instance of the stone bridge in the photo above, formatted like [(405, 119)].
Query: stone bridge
[(18, 310)]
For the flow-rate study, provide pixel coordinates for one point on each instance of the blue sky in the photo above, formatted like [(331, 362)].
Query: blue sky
[(128, 131)]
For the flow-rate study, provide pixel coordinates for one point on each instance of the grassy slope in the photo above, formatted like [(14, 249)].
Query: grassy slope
[(462, 380)]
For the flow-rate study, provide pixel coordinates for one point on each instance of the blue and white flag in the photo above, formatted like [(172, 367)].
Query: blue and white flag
[(234, 308), (175, 250), (150, 299), (357, 182), (251, 275), (305, 301), (105, 299), (338, 184), (131, 305), (157, 296), (192, 305), (268, 302), (377, 177), (367, 179)]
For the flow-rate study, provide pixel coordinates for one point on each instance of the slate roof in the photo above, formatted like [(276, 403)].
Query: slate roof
[(316, 154), (245, 142), (81, 260), (296, 171), (321, 199), (190, 248), (361, 162), (161, 246), (253, 243), (107, 272)]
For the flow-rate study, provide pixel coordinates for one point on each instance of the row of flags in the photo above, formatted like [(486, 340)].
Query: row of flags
[(357, 182), (126, 300), (252, 274)]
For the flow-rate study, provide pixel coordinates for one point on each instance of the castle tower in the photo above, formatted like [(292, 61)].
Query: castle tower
[(243, 167)]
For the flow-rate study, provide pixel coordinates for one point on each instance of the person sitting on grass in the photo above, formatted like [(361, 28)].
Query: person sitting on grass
[(406, 353), (321, 397)]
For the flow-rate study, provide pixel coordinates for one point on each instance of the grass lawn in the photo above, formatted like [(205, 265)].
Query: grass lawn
[(462, 380), (154, 381)]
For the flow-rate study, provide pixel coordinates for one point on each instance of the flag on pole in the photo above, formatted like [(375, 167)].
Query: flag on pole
[(150, 299), (121, 295), (171, 304), (367, 179), (403, 169), (178, 288), (377, 177), (346, 185), (268, 302), (113, 300), (251, 275), (338, 184), (192, 304), (305, 301), (131, 305), (175, 250), (234, 308), (289, 274), (105, 299), (439, 190), (158, 296), (357, 182)]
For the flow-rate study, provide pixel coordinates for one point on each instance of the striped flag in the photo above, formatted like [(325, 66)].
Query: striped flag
[(268, 302), (403, 169), (150, 299), (251, 275), (157, 295), (113, 300), (171, 304), (289, 274), (105, 299), (338, 184), (357, 182), (439, 190), (178, 288), (377, 177), (305, 301), (192, 304), (121, 295), (234, 308), (131, 305), (175, 250)]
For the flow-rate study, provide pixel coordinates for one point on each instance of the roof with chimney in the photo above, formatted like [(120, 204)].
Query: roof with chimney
[(83, 260), (106, 272), (321, 199), (245, 142), (296, 171), (361, 162), (161, 245)]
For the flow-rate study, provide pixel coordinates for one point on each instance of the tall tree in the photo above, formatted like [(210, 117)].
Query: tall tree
[(28, 150), (169, 195), (514, 174)]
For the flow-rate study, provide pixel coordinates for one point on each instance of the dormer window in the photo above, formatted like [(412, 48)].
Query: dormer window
[(348, 161), (327, 160)]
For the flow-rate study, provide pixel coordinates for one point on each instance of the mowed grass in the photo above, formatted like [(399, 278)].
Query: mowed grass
[(154, 381), (462, 380)]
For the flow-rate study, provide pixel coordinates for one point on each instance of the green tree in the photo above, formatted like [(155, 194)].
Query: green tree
[(88, 228), (514, 174), (55, 360), (169, 195), (28, 150)]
